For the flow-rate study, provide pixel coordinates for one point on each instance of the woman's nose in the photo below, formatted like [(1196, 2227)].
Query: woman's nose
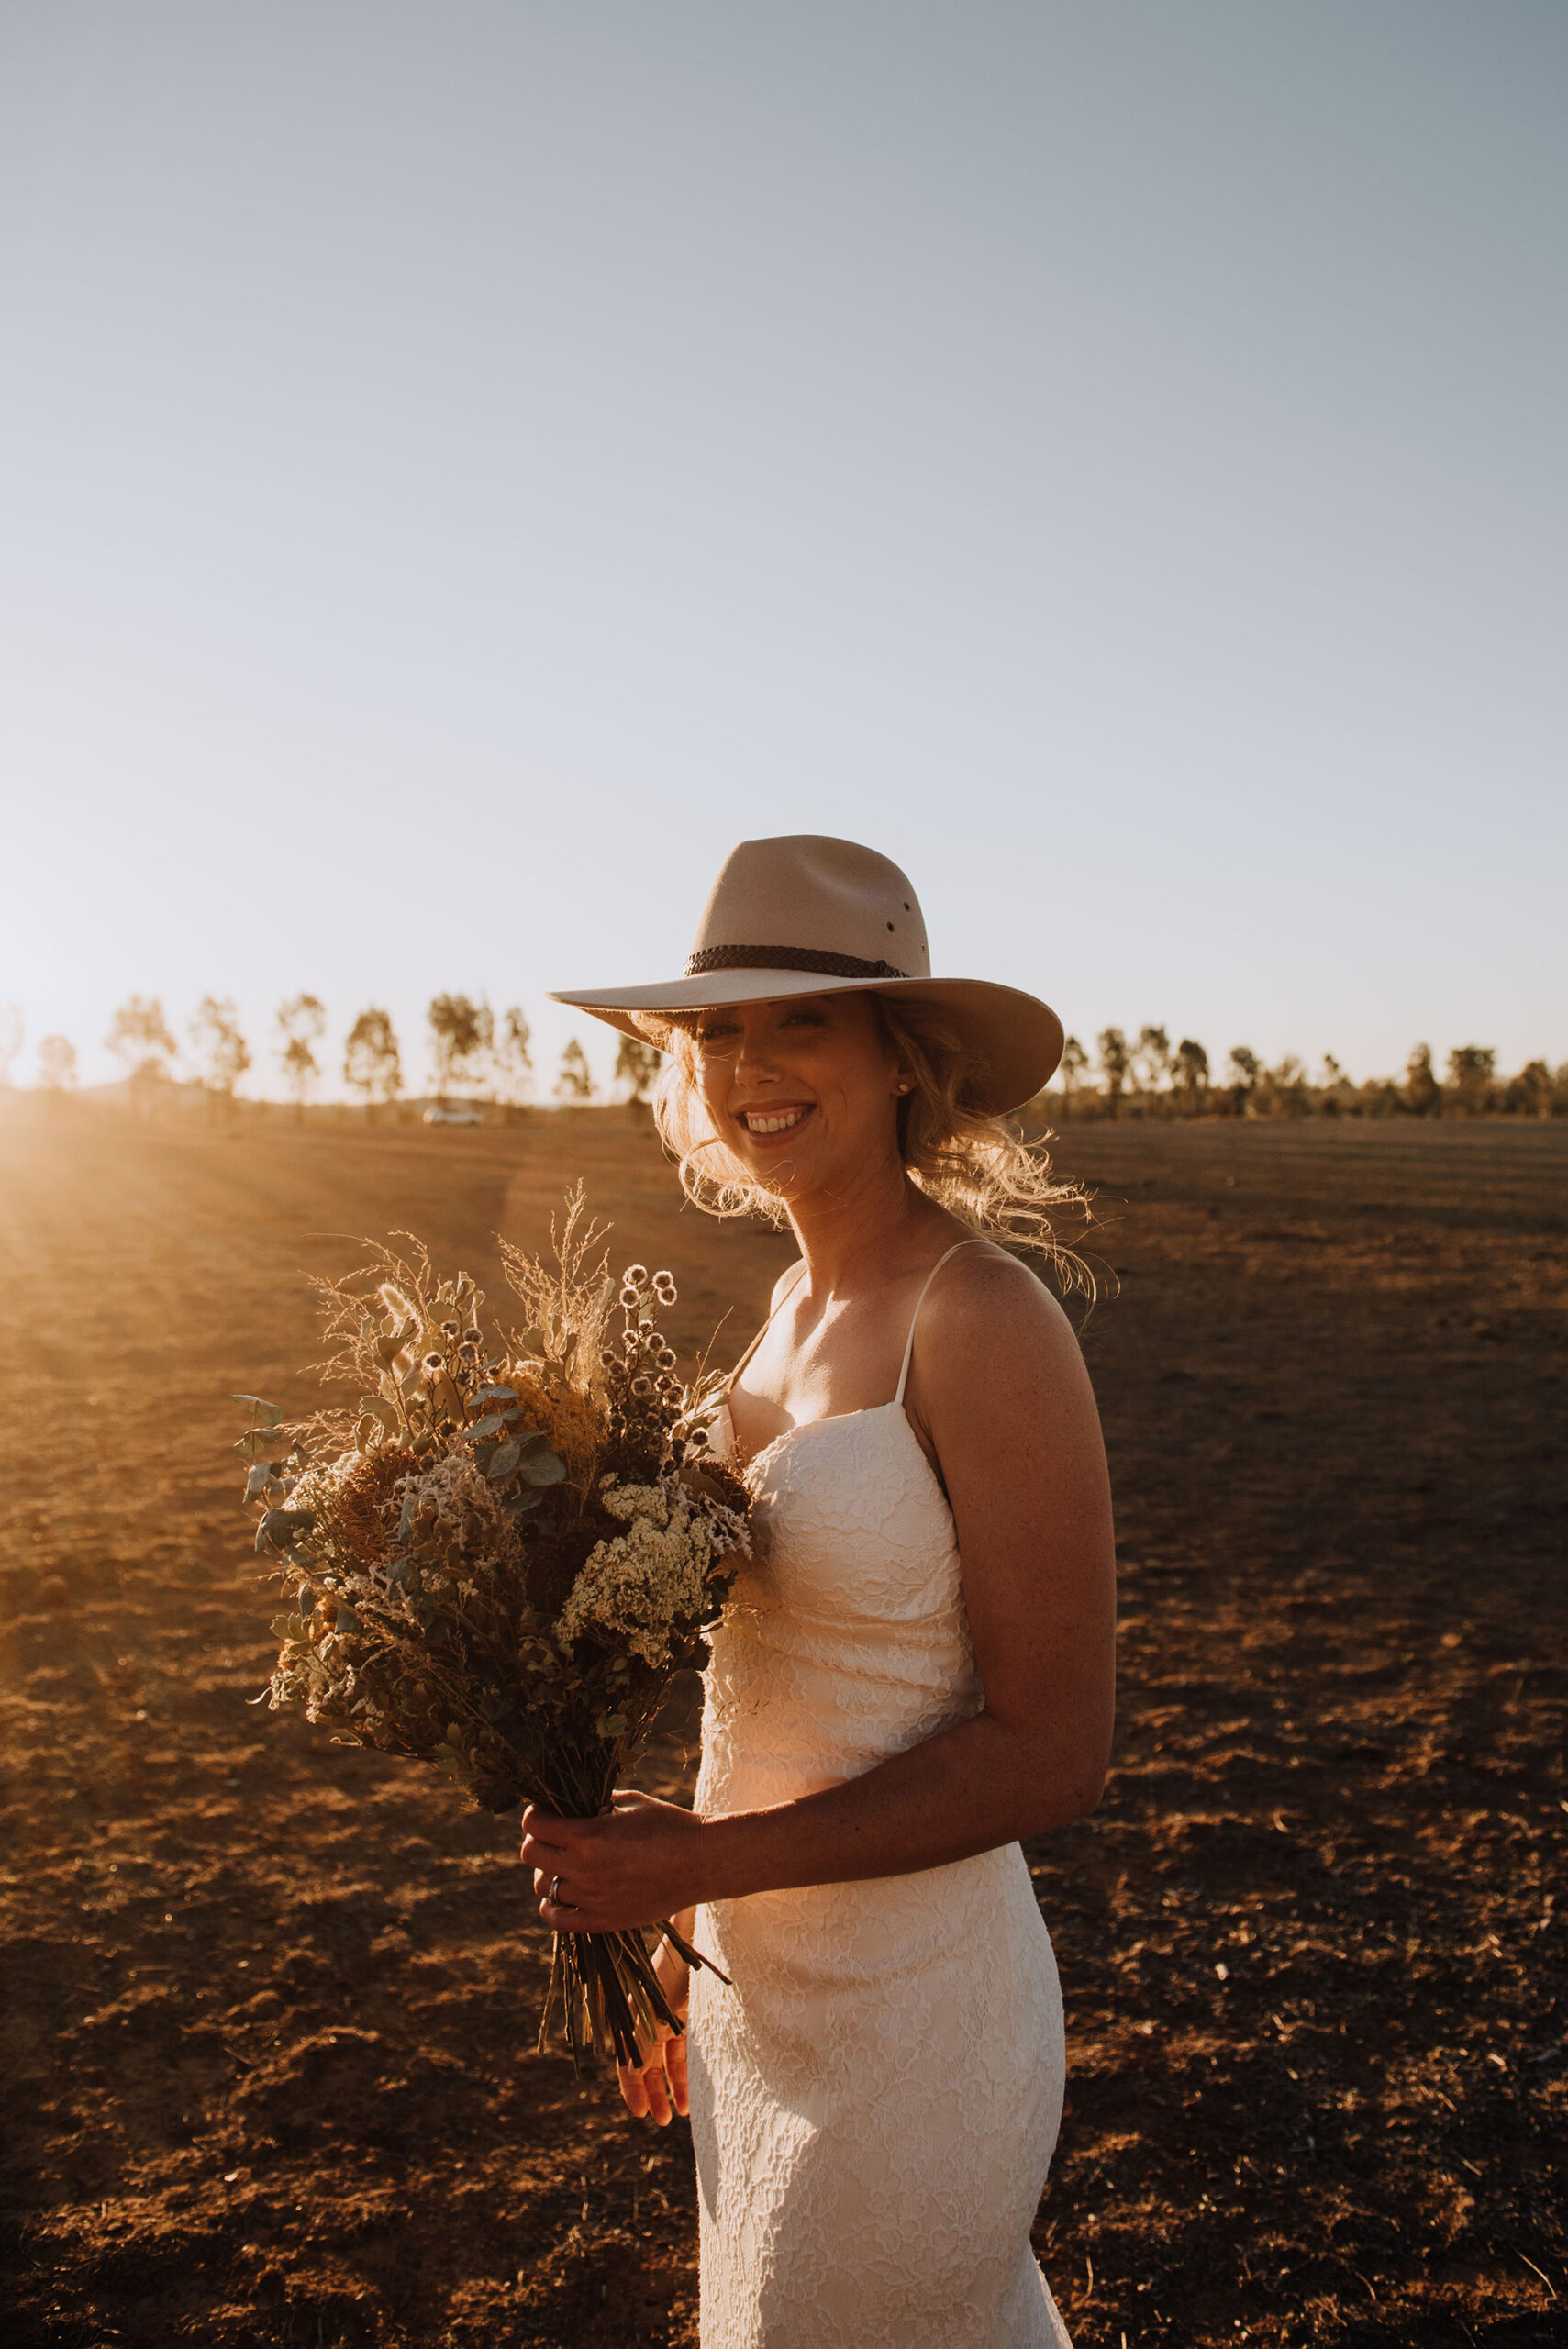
[(756, 1063)]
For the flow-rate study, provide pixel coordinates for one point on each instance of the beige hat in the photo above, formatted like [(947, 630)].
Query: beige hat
[(806, 915)]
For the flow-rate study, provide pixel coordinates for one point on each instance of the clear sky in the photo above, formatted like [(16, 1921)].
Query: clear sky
[(468, 461)]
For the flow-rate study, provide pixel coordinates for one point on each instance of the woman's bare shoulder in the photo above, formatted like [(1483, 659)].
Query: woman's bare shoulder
[(988, 1318)]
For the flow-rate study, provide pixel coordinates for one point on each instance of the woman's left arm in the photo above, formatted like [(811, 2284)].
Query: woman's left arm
[(1002, 1391)]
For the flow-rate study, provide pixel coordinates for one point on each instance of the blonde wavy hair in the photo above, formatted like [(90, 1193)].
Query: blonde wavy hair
[(981, 1169)]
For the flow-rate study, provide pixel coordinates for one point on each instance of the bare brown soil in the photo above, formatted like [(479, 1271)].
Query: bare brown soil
[(269, 2003)]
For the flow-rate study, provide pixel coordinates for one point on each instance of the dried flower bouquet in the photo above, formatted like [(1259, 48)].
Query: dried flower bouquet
[(500, 1561)]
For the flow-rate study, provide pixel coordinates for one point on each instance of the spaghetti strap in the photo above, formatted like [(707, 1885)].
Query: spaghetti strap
[(931, 1277), (763, 1330)]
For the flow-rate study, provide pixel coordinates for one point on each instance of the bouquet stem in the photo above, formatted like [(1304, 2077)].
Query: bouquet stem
[(611, 1999)]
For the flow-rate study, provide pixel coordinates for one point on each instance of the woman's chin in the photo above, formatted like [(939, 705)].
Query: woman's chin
[(781, 1177), (777, 1162)]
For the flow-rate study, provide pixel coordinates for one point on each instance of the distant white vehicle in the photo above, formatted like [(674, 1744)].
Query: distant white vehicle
[(440, 1116)]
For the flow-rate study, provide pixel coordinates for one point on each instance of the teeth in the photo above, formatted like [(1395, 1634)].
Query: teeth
[(761, 1123)]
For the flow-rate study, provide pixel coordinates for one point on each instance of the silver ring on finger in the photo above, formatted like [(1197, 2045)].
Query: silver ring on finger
[(553, 1894)]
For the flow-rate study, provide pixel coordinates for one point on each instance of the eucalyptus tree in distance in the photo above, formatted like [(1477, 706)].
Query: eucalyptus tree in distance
[(1152, 1058), (1075, 1062), (636, 1067), (1421, 1093), (1246, 1069), (139, 1037), (512, 1057), (574, 1082), (1471, 1076), (1114, 1061), (372, 1063), (222, 1054), (301, 1023), (1189, 1068), (462, 1034), (57, 1065)]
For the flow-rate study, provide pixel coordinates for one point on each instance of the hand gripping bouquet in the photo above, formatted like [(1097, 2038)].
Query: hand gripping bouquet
[(498, 1564)]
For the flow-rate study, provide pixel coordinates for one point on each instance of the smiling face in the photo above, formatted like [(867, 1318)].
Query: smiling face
[(802, 1093)]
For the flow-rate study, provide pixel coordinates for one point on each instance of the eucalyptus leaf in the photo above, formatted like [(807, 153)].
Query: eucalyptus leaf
[(495, 1395), (283, 1527), (262, 1443), (504, 1459), (491, 1425), (270, 1414), (542, 1468)]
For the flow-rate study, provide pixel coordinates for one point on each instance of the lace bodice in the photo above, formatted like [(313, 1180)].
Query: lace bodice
[(850, 1668)]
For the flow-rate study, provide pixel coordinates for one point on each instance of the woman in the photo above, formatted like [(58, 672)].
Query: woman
[(875, 2101)]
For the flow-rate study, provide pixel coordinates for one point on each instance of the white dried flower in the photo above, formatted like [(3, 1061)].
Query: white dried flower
[(639, 1585)]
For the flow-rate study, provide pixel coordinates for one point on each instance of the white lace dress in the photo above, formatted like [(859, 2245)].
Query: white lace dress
[(875, 2101)]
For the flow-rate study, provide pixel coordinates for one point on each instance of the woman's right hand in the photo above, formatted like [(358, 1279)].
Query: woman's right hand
[(656, 2088)]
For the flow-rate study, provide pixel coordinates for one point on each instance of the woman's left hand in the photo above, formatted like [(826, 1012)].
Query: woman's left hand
[(636, 1866)]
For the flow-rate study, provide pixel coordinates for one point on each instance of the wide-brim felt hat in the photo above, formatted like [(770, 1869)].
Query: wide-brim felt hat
[(809, 915)]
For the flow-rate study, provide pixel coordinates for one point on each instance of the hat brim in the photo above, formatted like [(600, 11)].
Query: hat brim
[(1016, 1038)]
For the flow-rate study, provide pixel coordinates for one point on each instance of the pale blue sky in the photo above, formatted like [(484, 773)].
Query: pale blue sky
[(467, 463)]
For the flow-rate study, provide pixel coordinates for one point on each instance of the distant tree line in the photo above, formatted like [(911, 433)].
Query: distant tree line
[(476, 1054), (1149, 1077), (481, 1056)]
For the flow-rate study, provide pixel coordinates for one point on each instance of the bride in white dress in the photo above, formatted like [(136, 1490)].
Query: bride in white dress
[(915, 1669)]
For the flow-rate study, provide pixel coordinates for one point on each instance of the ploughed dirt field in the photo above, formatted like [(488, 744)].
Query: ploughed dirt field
[(269, 2003)]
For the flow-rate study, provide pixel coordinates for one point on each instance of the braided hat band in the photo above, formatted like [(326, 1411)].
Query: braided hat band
[(788, 958)]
